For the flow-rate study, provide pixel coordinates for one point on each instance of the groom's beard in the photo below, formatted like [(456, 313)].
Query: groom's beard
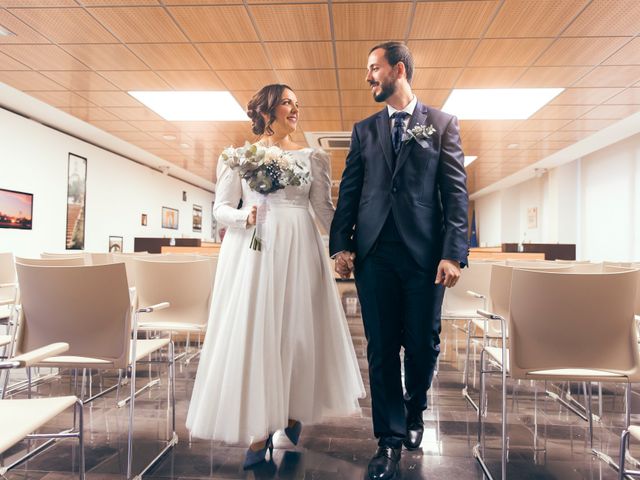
[(387, 88)]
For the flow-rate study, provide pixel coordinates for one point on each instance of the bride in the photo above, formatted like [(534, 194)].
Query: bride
[(277, 353)]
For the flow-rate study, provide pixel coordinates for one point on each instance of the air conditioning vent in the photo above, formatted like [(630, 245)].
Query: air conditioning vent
[(329, 140)]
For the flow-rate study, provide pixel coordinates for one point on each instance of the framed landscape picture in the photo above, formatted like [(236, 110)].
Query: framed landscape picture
[(16, 209), (170, 218), (115, 244), (76, 196), (197, 218)]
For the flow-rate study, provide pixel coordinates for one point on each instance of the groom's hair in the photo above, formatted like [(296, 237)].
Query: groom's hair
[(396, 52)]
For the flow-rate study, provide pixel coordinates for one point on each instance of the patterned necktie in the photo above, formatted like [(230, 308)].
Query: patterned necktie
[(397, 130)]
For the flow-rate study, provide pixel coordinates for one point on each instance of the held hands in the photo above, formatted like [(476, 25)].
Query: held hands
[(344, 263), (448, 273), (253, 216)]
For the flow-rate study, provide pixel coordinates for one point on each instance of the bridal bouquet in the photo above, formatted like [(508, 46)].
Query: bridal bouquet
[(266, 169)]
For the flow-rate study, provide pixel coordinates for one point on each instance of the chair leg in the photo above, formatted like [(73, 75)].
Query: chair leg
[(79, 414), (624, 443), (587, 387)]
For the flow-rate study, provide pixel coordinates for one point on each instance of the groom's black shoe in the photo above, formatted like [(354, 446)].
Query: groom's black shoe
[(415, 429), (384, 464)]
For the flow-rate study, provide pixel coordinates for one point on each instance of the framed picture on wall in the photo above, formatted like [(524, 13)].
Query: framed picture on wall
[(16, 209), (532, 217), (170, 218), (197, 218), (76, 196), (143, 220), (115, 244)]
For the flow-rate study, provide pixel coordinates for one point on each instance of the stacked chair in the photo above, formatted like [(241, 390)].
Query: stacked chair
[(564, 326), (90, 309), (21, 417)]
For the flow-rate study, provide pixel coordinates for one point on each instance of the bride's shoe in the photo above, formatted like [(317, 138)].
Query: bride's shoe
[(293, 432), (253, 457)]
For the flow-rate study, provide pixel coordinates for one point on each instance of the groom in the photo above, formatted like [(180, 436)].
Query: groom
[(401, 224)]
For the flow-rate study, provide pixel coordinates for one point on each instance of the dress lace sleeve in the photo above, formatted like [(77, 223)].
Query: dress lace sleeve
[(228, 195), (320, 192)]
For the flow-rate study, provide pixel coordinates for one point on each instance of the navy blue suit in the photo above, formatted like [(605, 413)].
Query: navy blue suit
[(401, 216)]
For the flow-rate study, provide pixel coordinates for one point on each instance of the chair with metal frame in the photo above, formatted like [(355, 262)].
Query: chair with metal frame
[(583, 346), (187, 285), (71, 304), (21, 417)]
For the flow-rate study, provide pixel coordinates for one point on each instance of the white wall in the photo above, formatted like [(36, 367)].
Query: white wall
[(33, 159), (593, 202)]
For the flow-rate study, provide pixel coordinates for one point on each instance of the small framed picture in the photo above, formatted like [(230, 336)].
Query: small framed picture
[(115, 244), (143, 220), (170, 218), (197, 218), (184, 196)]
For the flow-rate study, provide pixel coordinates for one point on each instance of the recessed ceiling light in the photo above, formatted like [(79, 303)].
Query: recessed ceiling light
[(5, 32), (168, 137), (469, 159), (202, 106), (511, 146), (498, 103), (184, 145)]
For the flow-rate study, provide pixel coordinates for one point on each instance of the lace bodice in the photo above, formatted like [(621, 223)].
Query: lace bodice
[(230, 188)]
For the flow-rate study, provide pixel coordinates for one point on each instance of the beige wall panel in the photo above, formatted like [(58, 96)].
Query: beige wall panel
[(113, 125), (80, 80), (607, 17), (234, 56), (170, 56), (110, 98), (589, 124), (8, 63), (62, 99), (569, 112), (89, 114), (134, 113), (489, 77), (247, 79), (320, 113), (584, 96), (539, 77), (106, 57), (461, 19), (534, 18), (442, 53), (292, 22), (135, 80), (43, 57), (140, 24), (629, 96), (383, 20), (629, 54), (610, 76), (580, 51), (215, 23), (508, 52), (430, 78), (309, 79), (298, 55), (192, 79), (611, 112), (65, 25), (23, 33)]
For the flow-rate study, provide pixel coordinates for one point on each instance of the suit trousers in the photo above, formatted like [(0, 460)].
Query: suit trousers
[(400, 309)]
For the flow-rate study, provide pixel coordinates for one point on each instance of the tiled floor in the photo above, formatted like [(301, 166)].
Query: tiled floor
[(341, 448)]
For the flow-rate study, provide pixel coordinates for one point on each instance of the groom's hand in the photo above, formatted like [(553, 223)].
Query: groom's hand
[(344, 263), (448, 273)]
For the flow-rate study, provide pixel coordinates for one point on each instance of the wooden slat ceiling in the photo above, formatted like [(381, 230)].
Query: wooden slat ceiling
[(83, 55)]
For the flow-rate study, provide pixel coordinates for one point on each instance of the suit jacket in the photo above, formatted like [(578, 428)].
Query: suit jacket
[(427, 190)]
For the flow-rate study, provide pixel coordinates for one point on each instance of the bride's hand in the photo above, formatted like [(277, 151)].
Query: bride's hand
[(253, 215)]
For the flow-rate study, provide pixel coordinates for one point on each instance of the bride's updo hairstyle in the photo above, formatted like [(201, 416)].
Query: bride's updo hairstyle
[(265, 102)]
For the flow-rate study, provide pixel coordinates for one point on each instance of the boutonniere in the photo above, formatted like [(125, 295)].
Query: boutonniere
[(420, 133)]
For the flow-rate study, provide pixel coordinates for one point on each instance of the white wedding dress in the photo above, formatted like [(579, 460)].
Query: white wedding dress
[(278, 346)]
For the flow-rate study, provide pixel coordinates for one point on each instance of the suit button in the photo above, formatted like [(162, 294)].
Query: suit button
[(394, 189)]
